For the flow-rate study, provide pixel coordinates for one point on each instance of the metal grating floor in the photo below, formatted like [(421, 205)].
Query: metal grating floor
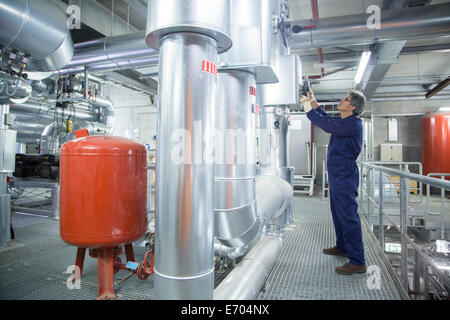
[(34, 266), (303, 272)]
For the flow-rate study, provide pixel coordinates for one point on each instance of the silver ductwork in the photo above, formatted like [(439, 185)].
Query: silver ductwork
[(37, 28), (13, 88), (189, 35), (112, 66), (43, 88), (47, 143), (273, 197), (237, 191), (402, 24), (117, 50), (34, 119), (245, 281), (236, 221)]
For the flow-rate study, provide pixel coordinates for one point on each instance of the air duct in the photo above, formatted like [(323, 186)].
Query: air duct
[(39, 29), (189, 35), (402, 24), (113, 50)]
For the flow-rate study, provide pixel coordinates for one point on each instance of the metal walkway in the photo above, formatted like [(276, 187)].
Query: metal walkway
[(303, 272), (34, 266)]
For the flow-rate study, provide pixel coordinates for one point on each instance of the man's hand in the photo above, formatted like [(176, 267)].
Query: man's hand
[(309, 101)]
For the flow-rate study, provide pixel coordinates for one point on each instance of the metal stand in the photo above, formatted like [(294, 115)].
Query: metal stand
[(108, 263)]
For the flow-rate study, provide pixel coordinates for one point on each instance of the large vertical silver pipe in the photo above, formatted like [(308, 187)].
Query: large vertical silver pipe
[(236, 222), (189, 35), (184, 231)]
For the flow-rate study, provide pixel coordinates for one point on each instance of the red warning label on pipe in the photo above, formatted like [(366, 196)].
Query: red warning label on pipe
[(252, 91), (210, 67)]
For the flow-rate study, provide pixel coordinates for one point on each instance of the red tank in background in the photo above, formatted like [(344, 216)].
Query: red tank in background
[(103, 201), (435, 144)]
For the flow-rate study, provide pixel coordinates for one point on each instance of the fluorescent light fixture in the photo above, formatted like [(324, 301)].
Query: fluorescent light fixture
[(444, 109), (362, 65)]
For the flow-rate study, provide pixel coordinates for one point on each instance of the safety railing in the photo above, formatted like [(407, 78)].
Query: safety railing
[(422, 262), (442, 213), (405, 166)]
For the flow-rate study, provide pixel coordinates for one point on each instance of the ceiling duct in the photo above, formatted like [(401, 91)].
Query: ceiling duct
[(402, 24), (38, 29)]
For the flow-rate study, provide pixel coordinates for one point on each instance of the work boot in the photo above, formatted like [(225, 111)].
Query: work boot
[(334, 251), (350, 268)]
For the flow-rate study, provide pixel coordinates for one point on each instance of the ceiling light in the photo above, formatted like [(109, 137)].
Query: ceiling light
[(362, 65)]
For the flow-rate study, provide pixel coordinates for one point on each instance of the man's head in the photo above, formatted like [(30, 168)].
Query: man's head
[(354, 102)]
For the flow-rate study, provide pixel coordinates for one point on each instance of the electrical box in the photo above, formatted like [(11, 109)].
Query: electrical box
[(391, 152)]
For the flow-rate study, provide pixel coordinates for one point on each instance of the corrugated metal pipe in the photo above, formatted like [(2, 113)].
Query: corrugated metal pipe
[(402, 24)]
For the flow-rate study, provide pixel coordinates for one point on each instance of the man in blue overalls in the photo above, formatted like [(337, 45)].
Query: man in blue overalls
[(343, 150)]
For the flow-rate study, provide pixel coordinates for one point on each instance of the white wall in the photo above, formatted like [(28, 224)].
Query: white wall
[(135, 115)]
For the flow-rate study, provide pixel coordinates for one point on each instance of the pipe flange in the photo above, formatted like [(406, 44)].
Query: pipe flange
[(191, 16)]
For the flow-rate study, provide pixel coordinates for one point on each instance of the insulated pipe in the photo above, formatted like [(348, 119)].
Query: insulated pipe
[(184, 207), (111, 50), (273, 197), (112, 66), (189, 34), (32, 117), (37, 28), (247, 278), (221, 250), (13, 88), (236, 222), (402, 24), (47, 138)]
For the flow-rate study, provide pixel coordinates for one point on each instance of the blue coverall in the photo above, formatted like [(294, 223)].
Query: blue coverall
[(343, 177)]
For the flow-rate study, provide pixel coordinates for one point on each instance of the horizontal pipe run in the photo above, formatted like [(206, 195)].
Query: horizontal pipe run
[(248, 277), (402, 24), (112, 66), (111, 50), (221, 250)]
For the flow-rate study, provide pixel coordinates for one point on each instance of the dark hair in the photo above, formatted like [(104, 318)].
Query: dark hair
[(358, 100)]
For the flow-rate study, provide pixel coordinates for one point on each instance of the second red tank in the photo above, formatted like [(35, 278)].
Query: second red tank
[(435, 144)]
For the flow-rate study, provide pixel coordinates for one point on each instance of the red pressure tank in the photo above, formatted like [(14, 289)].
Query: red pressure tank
[(435, 144), (103, 191)]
